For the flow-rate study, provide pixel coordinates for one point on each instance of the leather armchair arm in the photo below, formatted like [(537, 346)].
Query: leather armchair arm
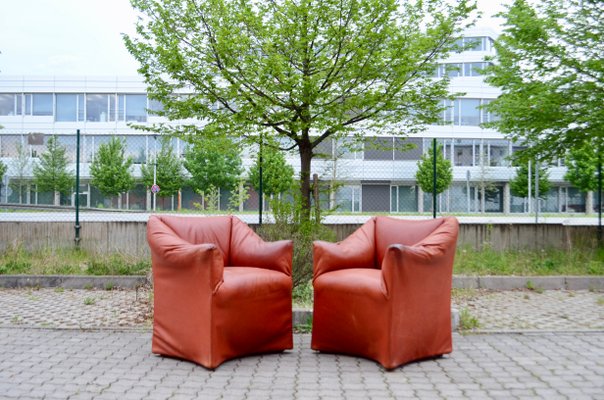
[(255, 252), (176, 259), (329, 256)]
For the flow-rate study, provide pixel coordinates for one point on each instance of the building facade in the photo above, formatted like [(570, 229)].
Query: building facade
[(378, 176)]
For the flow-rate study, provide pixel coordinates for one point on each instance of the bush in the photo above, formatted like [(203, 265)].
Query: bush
[(288, 225)]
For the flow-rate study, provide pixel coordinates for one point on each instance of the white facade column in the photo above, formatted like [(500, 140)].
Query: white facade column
[(589, 202), (507, 198), (420, 200)]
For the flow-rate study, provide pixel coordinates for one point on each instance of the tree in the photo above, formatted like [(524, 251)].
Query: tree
[(582, 167), (20, 165), (425, 171), (3, 169), (305, 71), (110, 169), (549, 68), (214, 163), (51, 173), (519, 185), (169, 171), (277, 174)]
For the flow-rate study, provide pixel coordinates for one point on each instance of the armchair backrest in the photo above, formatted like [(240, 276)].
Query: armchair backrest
[(196, 230), (406, 232)]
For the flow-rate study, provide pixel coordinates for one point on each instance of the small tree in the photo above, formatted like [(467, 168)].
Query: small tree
[(582, 167), (50, 173), (214, 163), (519, 185), (277, 174), (425, 171), (169, 170), (20, 165), (110, 169)]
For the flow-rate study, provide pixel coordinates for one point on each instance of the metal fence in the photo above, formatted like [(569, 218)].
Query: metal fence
[(377, 176)]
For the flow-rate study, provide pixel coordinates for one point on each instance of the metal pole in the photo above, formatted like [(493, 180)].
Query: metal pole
[(434, 178), (154, 169), (260, 188), (536, 192), (77, 192), (530, 208), (600, 199)]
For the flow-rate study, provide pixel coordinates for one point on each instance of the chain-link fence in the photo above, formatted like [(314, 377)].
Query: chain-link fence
[(377, 176)]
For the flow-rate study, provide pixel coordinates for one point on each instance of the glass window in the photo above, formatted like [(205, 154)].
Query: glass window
[(463, 153), (42, 104), (96, 107), (121, 107), (112, 111), (67, 107), (155, 105), (454, 70), (7, 104), (469, 112), (404, 199), (348, 198), (473, 69), (28, 104), (478, 43), (448, 113), (348, 148), (376, 197), (498, 153), (136, 107)]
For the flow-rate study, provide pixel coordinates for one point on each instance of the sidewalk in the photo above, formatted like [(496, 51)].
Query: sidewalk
[(95, 344)]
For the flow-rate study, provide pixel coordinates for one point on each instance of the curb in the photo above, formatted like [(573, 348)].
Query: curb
[(595, 283), (72, 281)]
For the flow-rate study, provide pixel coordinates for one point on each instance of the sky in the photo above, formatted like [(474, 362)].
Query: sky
[(83, 37)]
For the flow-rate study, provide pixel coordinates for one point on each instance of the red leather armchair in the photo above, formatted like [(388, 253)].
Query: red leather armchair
[(220, 291), (384, 293)]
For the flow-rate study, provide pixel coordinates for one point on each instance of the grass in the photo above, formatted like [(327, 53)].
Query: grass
[(467, 321), (527, 263), (16, 260)]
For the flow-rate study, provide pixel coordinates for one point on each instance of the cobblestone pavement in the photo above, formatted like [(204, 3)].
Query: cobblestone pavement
[(516, 310), (75, 364), (95, 344)]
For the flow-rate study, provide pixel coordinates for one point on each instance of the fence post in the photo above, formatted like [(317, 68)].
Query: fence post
[(434, 178), (260, 188), (600, 199), (77, 192)]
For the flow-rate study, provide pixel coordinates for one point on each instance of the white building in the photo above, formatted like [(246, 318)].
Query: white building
[(369, 180)]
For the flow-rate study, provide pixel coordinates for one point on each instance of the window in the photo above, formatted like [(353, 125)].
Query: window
[(403, 199), (136, 107), (454, 70), (348, 198), (69, 107), (408, 149), (41, 104), (97, 107), (10, 104), (469, 112), (477, 43), (155, 106), (472, 69)]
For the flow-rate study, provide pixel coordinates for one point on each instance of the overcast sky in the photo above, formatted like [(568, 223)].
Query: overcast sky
[(81, 37)]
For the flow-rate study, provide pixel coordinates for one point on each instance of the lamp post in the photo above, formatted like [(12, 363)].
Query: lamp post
[(154, 170), (468, 176), (260, 188), (77, 192)]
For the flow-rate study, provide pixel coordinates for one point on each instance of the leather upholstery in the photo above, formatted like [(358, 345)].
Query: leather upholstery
[(220, 291), (384, 292)]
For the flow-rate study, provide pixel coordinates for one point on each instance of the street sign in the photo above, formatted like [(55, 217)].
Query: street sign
[(155, 188)]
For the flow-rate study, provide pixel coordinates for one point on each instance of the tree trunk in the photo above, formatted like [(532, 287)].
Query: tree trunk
[(305, 163), (57, 200)]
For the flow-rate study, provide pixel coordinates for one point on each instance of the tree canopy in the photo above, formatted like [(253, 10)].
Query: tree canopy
[(277, 174), (110, 169), (214, 163), (582, 167), (425, 171), (520, 187), (550, 70), (302, 70), (50, 172)]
